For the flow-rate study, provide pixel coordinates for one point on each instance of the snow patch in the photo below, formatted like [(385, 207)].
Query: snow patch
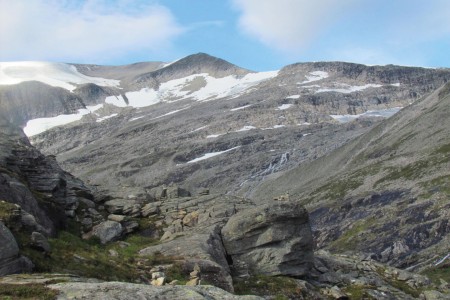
[(246, 128), (212, 136), (55, 74), (181, 88), (211, 154), (284, 106), (39, 125), (99, 120), (241, 107), (293, 97), (383, 113), (136, 118), (314, 76), (198, 129), (346, 89), (171, 113)]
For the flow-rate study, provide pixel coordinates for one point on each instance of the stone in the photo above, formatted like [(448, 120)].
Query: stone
[(158, 281), (156, 275), (87, 224), (10, 260), (107, 231), (176, 192), (434, 295), (40, 242), (151, 209), (272, 239), (336, 293), (193, 281), (130, 226), (128, 207), (204, 249), (191, 219), (113, 253), (117, 218)]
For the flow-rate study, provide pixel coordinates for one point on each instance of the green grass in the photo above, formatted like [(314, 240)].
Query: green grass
[(6, 211), (175, 272), (352, 238), (438, 273), (279, 287), (89, 258), (339, 188), (356, 292), (26, 292)]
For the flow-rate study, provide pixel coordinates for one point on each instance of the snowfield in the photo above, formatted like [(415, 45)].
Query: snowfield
[(40, 125), (383, 113), (211, 154), (346, 89), (200, 87), (55, 74)]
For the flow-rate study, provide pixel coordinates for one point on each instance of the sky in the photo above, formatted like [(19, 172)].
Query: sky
[(259, 35)]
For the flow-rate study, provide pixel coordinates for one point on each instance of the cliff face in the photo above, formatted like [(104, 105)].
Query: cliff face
[(37, 196)]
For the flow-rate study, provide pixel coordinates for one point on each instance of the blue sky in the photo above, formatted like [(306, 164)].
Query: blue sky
[(256, 34)]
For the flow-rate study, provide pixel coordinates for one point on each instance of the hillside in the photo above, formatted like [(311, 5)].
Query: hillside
[(387, 191)]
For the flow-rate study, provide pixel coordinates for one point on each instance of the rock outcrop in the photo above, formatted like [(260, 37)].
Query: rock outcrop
[(10, 260), (36, 183), (273, 239), (122, 290)]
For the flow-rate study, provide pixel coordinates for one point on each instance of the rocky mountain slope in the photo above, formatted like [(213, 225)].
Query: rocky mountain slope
[(387, 191), (327, 135)]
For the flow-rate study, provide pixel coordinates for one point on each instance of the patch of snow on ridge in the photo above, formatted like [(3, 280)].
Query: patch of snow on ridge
[(241, 107), (346, 89), (54, 74), (246, 128), (315, 76), (293, 97), (383, 113), (99, 120), (211, 154), (200, 87), (284, 106)]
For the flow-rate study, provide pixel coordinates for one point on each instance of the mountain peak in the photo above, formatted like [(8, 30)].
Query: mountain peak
[(200, 63)]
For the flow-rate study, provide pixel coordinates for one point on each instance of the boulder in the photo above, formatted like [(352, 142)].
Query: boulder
[(40, 242), (128, 207), (272, 239), (151, 209), (107, 231), (202, 249), (10, 260)]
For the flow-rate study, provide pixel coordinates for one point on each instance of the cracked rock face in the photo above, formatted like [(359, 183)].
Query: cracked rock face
[(10, 260), (273, 239)]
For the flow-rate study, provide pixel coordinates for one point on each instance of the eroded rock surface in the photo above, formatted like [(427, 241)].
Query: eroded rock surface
[(10, 260), (273, 239)]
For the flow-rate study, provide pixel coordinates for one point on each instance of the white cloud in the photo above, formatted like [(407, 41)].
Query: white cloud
[(288, 25), (90, 30)]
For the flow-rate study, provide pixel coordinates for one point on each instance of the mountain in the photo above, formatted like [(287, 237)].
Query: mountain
[(183, 153)]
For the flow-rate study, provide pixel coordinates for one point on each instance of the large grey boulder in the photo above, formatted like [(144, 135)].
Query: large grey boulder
[(273, 239), (107, 231), (10, 260), (204, 249)]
